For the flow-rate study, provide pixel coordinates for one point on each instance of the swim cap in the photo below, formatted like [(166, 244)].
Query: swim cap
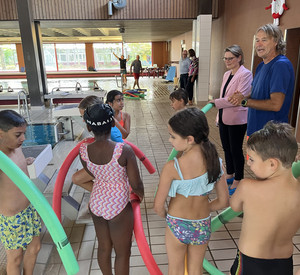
[(98, 115)]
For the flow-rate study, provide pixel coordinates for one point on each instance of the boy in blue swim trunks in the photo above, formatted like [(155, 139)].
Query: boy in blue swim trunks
[(20, 225), (270, 203)]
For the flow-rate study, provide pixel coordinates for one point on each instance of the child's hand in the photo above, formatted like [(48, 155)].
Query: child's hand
[(30, 160)]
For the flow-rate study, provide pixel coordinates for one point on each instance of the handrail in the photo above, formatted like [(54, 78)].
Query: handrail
[(25, 105)]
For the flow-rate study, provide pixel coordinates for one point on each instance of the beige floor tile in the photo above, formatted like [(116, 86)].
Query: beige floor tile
[(223, 244), (224, 254)]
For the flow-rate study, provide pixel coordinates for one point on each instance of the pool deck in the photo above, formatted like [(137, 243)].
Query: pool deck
[(149, 132)]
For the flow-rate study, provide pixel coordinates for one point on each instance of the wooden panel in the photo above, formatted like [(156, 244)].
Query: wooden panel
[(8, 10), (98, 9)]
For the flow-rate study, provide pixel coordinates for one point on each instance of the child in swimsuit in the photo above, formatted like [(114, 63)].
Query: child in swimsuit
[(122, 119), (114, 169), (179, 99), (270, 203), (20, 225), (91, 100), (188, 181), (81, 176)]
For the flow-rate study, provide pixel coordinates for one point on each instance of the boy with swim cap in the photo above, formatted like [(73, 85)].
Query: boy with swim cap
[(270, 204), (20, 225)]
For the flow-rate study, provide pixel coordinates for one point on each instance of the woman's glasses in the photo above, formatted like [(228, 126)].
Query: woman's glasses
[(228, 58)]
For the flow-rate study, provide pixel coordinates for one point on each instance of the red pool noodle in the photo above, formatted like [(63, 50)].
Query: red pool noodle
[(60, 180), (141, 157), (141, 238)]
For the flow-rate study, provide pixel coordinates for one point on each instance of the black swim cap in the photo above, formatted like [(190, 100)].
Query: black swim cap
[(99, 116)]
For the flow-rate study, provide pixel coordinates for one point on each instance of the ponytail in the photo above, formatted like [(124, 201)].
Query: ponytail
[(211, 157)]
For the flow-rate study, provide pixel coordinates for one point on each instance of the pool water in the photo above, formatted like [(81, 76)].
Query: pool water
[(42, 133)]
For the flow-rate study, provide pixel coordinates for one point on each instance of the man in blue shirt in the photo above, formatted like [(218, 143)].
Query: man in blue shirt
[(273, 83)]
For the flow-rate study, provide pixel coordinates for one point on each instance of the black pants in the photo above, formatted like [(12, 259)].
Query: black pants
[(190, 87), (183, 80), (232, 137)]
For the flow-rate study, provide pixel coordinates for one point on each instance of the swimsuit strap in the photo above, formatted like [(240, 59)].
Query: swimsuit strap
[(83, 152), (176, 165), (118, 151)]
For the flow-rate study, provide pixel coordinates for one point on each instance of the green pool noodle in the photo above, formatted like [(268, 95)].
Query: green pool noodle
[(207, 107), (296, 169), (211, 269), (44, 209), (223, 218)]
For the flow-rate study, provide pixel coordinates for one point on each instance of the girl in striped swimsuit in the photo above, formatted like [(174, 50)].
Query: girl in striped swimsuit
[(113, 167)]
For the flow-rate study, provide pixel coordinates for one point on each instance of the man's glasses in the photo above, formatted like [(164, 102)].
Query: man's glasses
[(228, 58)]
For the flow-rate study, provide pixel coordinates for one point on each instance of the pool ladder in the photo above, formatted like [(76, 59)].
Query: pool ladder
[(24, 104)]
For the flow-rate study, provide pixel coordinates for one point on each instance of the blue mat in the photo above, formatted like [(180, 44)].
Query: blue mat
[(171, 74)]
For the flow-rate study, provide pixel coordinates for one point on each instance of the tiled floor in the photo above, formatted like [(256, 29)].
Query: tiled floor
[(149, 132)]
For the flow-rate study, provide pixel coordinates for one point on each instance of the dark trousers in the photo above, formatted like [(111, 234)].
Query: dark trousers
[(183, 80), (232, 137), (190, 87)]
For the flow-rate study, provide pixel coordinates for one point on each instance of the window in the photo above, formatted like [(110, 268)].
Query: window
[(49, 57), (8, 58), (104, 58), (144, 50), (71, 57)]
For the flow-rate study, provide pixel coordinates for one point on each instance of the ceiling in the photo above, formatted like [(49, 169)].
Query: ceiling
[(102, 30)]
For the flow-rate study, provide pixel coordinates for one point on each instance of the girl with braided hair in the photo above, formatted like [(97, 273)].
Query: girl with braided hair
[(188, 181), (114, 170)]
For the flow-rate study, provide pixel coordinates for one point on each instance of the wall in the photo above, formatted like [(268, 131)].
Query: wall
[(159, 53), (98, 9), (237, 24), (175, 54)]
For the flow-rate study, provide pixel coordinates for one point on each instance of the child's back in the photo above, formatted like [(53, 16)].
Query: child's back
[(113, 168), (270, 203), (271, 217)]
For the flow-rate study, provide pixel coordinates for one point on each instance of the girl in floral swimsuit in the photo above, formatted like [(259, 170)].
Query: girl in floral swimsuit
[(188, 181), (114, 168)]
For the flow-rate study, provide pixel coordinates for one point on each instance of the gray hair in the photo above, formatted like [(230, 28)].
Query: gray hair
[(275, 32), (236, 51)]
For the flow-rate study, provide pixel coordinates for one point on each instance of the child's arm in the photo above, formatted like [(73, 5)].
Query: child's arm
[(83, 178), (125, 131), (165, 181), (236, 200), (30, 160), (133, 173), (222, 199)]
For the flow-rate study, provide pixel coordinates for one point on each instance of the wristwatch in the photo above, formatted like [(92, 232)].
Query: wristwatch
[(244, 102)]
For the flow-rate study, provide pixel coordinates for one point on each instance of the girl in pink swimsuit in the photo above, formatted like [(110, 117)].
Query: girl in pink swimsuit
[(114, 169)]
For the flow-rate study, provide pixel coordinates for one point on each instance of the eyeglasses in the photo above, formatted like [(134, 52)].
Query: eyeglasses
[(228, 58)]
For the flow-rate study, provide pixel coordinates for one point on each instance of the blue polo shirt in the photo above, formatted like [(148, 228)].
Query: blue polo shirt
[(273, 77)]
